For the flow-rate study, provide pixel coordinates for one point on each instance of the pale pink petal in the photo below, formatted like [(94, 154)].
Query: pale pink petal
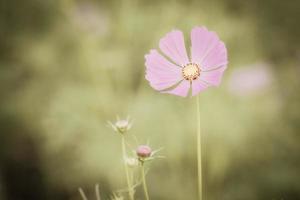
[(181, 90), (161, 73), (217, 57), (161, 83), (213, 77), (207, 50), (198, 86), (203, 41), (173, 46)]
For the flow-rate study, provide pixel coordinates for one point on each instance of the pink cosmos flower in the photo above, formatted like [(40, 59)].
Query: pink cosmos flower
[(176, 74)]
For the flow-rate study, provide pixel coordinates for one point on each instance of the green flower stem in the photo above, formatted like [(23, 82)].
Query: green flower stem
[(131, 195), (144, 181), (199, 159)]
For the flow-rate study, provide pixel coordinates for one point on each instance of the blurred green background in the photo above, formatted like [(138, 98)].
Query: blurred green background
[(66, 67)]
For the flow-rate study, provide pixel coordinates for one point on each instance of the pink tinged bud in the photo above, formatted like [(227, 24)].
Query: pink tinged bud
[(143, 151)]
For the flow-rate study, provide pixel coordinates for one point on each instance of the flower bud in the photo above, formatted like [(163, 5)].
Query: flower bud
[(131, 162), (121, 126), (143, 151)]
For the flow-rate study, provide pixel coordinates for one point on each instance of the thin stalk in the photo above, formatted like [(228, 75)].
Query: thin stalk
[(97, 190), (131, 195), (199, 157), (82, 194), (144, 181)]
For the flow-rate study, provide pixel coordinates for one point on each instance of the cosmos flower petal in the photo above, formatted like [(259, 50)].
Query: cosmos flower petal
[(213, 77), (176, 74), (217, 57), (173, 46), (161, 83), (160, 72), (203, 41), (181, 90), (198, 86)]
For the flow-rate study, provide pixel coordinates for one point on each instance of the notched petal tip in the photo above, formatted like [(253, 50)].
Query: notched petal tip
[(203, 42), (152, 51), (173, 46)]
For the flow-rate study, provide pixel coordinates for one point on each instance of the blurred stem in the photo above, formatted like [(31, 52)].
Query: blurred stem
[(82, 194), (199, 157), (131, 195), (144, 181), (97, 190)]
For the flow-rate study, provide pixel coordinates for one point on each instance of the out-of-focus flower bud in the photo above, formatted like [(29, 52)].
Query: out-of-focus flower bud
[(131, 162), (143, 151), (121, 125)]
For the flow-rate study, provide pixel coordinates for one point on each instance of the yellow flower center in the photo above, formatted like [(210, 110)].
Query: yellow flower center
[(190, 71)]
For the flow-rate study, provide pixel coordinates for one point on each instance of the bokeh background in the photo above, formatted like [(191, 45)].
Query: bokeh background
[(66, 67)]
